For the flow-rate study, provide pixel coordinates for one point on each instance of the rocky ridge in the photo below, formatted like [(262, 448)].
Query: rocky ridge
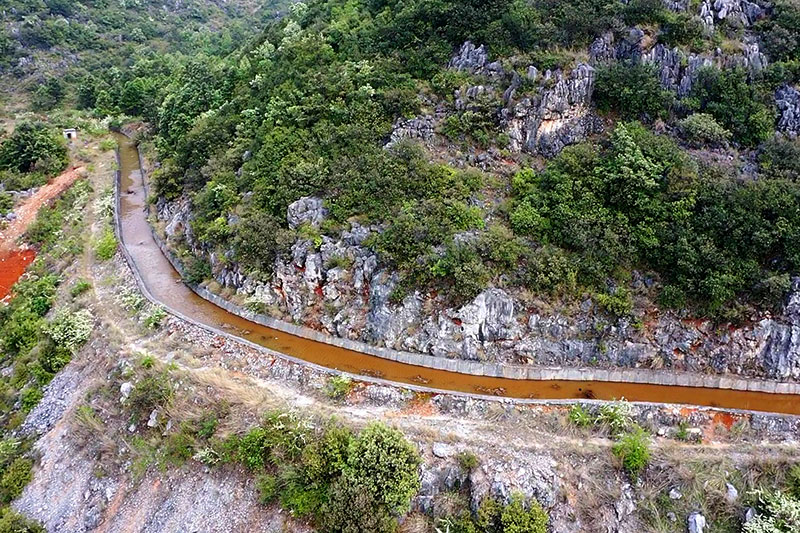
[(339, 287)]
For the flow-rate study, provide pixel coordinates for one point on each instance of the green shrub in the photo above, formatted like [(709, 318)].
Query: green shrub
[(633, 450), (467, 460), (79, 287), (253, 449), (616, 416), (6, 203), (385, 463), (179, 446), (151, 391), (268, 488), (53, 357), (33, 147), (30, 397), (338, 387), (15, 477), (106, 246), (108, 144), (734, 103), (701, 129), (353, 508), (515, 517), (579, 416), (197, 270), (155, 317), (631, 90), (13, 522), (71, 330), (618, 303), (779, 158), (776, 513)]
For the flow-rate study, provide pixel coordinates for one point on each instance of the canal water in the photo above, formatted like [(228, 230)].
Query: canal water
[(165, 285)]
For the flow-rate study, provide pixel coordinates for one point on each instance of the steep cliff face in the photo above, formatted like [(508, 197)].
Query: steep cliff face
[(336, 285), (555, 117)]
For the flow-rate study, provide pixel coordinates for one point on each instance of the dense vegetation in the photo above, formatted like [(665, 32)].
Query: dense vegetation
[(306, 108), (30, 155), (114, 54)]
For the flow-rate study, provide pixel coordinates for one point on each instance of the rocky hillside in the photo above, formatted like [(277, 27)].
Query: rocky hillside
[(113, 56), (624, 195)]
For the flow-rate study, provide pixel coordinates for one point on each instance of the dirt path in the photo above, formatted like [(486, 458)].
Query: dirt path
[(26, 213)]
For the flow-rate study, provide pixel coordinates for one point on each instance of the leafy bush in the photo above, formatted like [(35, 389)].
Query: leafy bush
[(151, 391), (14, 478), (106, 245), (633, 449), (735, 104), (79, 287), (779, 33), (71, 330), (701, 129), (776, 513), (6, 203), (579, 416), (618, 303), (631, 90), (155, 317), (779, 158), (13, 522), (385, 463), (516, 517), (338, 387), (354, 508), (616, 416), (32, 147), (467, 460)]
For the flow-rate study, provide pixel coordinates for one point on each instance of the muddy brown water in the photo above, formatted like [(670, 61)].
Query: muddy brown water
[(165, 285)]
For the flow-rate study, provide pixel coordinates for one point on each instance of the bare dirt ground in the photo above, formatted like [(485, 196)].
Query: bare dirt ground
[(26, 213)]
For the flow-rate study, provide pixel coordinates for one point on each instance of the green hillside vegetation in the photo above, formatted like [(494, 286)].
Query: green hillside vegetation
[(247, 126), (313, 100), (114, 54)]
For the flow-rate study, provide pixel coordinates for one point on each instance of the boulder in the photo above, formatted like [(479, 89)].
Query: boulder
[(787, 99), (306, 210), (489, 317), (696, 523), (470, 58)]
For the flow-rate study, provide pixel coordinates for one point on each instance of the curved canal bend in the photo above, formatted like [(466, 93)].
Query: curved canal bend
[(165, 286)]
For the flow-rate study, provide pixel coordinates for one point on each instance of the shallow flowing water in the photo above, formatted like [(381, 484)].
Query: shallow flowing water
[(165, 285)]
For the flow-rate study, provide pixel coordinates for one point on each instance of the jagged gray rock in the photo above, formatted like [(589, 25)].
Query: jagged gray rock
[(556, 117), (787, 99), (677, 70), (470, 58), (306, 210), (338, 287), (421, 128), (743, 11), (696, 523)]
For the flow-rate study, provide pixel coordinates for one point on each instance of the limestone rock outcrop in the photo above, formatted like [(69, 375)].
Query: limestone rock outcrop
[(557, 116), (787, 100)]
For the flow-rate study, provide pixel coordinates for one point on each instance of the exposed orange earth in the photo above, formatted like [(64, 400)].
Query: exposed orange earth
[(13, 258), (12, 266)]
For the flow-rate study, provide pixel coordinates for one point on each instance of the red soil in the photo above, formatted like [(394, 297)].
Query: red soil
[(12, 266), (14, 259), (26, 213)]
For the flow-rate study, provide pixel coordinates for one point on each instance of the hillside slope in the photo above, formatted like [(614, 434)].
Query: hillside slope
[(517, 181)]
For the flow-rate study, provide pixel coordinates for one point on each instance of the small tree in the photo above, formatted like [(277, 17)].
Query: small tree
[(383, 462)]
